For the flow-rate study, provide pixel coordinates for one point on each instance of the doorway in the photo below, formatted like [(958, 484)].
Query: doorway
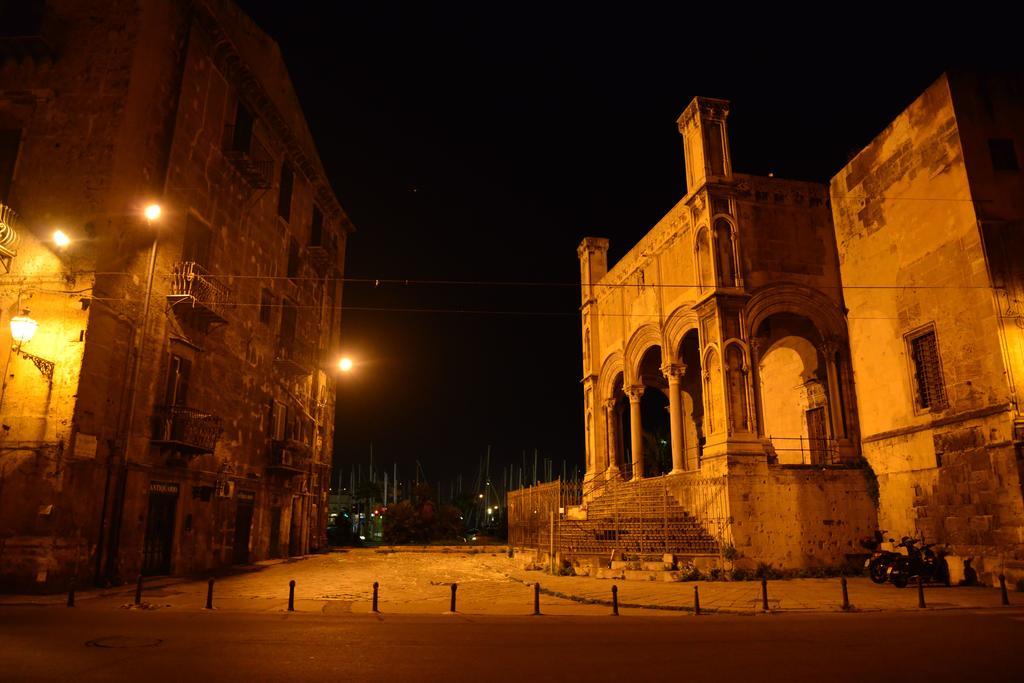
[(243, 527), (159, 540), (275, 532)]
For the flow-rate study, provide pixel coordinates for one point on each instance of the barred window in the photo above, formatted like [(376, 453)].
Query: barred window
[(924, 352)]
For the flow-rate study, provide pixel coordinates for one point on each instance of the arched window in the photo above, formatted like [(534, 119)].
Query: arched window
[(737, 378), (705, 269), (726, 254)]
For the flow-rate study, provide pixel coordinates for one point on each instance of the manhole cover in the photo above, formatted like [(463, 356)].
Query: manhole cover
[(124, 641)]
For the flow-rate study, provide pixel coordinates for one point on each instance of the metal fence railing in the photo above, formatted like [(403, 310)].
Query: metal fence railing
[(805, 450)]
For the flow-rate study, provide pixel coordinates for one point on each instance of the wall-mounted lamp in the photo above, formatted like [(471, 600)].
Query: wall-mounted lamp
[(61, 239), (23, 328)]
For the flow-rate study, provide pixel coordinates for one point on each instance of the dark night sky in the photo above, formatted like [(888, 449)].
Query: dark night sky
[(483, 145)]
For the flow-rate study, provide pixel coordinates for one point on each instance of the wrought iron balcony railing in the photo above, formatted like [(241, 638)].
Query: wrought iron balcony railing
[(322, 250), (294, 357), (186, 430), (8, 236), (249, 157), (290, 457), (196, 294)]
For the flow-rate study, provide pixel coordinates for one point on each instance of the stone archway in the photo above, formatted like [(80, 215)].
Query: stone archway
[(795, 390), (692, 400)]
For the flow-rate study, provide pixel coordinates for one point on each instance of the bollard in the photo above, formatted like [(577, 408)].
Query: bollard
[(615, 601), (696, 601), (536, 598), (846, 595), (455, 587), (1002, 589), (764, 593), (920, 593), (71, 593), (375, 587), (138, 591), (291, 595), (209, 594)]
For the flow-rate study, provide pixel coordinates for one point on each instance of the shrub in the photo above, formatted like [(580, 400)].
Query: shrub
[(730, 553), (690, 573), (766, 571), (739, 575)]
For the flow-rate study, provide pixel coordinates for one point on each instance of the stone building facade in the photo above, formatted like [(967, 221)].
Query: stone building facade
[(929, 221), (191, 428), (718, 346), (833, 357)]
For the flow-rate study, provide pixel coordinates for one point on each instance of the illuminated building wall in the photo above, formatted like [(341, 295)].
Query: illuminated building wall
[(929, 225), (224, 455)]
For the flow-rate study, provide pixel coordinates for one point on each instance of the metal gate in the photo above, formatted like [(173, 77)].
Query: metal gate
[(159, 539)]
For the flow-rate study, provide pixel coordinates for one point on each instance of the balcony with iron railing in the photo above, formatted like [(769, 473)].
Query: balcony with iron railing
[(295, 357), (249, 157), (289, 457), (198, 296), (8, 236), (185, 430), (322, 250)]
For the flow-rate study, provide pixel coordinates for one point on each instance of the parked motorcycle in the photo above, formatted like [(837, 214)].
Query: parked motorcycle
[(880, 560), (918, 562)]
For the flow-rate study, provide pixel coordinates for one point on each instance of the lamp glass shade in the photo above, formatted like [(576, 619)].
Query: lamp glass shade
[(23, 328)]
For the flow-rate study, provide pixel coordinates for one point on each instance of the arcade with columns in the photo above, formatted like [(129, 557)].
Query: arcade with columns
[(717, 346)]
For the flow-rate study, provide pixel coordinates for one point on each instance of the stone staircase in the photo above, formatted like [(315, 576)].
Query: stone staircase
[(635, 518)]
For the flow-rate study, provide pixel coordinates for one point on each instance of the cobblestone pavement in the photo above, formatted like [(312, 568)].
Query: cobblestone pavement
[(489, 583)]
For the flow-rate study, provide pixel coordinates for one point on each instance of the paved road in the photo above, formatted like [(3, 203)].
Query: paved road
[(52, 643)]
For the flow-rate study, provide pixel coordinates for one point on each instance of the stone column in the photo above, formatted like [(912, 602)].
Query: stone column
[(612, 436), (674, 375), (636, 430), (828, 349)]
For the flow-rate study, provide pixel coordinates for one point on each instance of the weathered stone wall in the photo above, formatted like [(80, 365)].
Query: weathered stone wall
[(912, 256), (796, 518), (132, 108)]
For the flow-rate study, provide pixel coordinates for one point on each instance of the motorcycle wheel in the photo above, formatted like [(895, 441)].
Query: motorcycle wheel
[(877, 571), (899, 580)]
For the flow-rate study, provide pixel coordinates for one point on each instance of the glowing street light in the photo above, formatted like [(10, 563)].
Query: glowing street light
[(152, 212), (345, 364), (61, 239), (23, 328)]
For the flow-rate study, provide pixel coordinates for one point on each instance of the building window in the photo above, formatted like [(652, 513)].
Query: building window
[(240, 138), (179, 372), (293, 258), (196, 246), (266, 306), (278, 421), (1004, 156), (316, 228), (924, 354), (284, 198), (10, 141)]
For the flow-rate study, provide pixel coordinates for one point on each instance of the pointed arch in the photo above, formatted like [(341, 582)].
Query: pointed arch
[(726, 253)]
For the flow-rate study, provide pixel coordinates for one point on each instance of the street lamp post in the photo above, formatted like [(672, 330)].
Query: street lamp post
[(152, 213)]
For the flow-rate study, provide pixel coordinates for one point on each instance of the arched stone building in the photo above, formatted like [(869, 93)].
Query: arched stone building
[(717, 346)]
